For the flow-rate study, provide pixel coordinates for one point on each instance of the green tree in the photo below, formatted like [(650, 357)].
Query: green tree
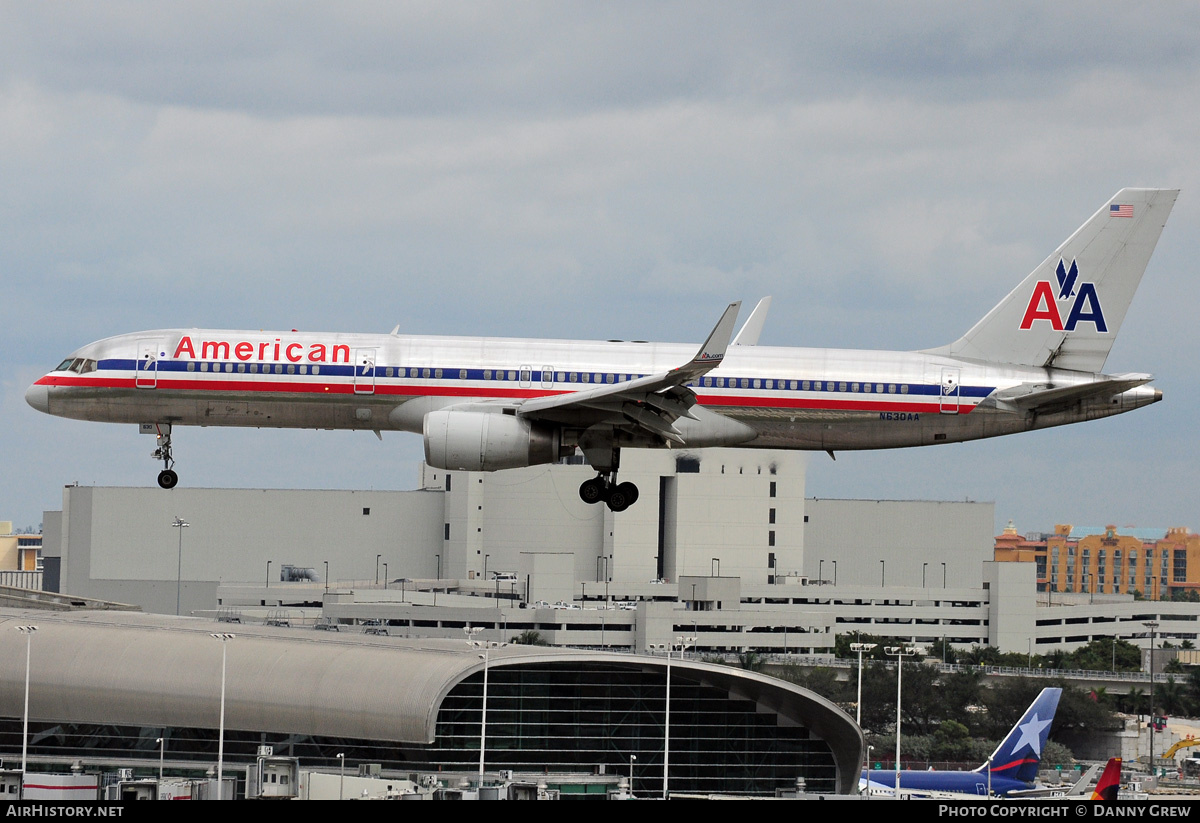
[(530, 637)]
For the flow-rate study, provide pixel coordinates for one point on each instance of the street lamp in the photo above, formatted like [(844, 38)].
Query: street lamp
[(341, 756), (632, 758), (882, 573), (471, 632), (161, 745), (867, 769), (923, 567), (682, 643), (326, 575), (821, 572), (834, 562), (181, 525), (943, 575), (898, 652), (377, 568), (268, 574), (860, 648), (1152, 625), (28, 632), (224, 638)]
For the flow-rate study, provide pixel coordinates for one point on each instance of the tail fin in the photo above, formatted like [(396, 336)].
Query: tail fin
[(1109, 783), (1020, 753), (1068, 311)]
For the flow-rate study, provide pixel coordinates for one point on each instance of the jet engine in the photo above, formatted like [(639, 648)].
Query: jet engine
[(487, 441)]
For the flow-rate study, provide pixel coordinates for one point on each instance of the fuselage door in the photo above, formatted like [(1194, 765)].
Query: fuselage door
[(364, 371), (146, 369), (950, 391)]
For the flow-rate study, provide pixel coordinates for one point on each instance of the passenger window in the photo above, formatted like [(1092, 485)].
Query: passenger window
[(560, 377), (608, 378), (191, 366), (462, 374), (291, 369), (437, 374), (388, 373), (574, 377), (853, 387), (512, 374), (203, 367), (586, 377), (806, 385), (904, 388), (487, 374), (771, 384), (841, 387), (757, 383), (891, 388), (745, 383), (241, 368), (304, 369), (879, 388), (253, 368), (316, 370), (867, 388), (278, 368), (228, 368)]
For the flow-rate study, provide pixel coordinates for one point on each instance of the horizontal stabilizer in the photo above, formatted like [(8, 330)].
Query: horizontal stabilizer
[(1042, 398)]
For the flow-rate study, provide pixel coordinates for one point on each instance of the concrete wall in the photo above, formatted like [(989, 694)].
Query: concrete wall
[(118, 543), (911, 537)]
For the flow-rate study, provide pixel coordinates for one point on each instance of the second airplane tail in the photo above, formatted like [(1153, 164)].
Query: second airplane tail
[(1068, 311), (1019, 754)]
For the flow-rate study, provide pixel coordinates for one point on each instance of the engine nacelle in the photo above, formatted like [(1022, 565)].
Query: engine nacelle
[(487, 441)]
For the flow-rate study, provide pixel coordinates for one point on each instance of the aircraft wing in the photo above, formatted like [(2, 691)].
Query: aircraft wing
[(651, 403), (1043, 398)]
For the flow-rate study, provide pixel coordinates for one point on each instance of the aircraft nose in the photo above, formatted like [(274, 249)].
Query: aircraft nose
[(39, 397)]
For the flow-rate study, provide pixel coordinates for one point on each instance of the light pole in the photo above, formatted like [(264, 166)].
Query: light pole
[(181, 525), (28, 632), (860, 648), (989, 775), (682, 644), (821, 572), (485, 562), (1152, 625), (385, 582), (471, 632), (899, 652), (923, 567), (326, 575), (632, 758), (834, 562), (882, 573), (716, 567), (341, 756), (438, 557), (268, 574), (377, 568), (867, 770), (161, 745), (224, 638), (943, 575)]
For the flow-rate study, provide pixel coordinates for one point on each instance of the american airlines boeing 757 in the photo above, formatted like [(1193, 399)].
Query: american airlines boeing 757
[(1033, 361)]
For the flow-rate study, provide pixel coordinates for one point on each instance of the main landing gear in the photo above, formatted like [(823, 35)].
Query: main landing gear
[(603, 487), (167, 478)]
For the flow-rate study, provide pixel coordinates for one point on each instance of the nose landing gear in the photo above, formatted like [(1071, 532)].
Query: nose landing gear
[(167, 478)]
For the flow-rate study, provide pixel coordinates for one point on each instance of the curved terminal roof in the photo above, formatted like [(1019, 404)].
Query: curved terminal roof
[(153, 670)]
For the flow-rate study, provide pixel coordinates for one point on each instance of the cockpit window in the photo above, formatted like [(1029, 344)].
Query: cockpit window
[(79, 365)]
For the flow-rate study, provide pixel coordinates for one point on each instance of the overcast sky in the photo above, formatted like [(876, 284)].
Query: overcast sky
[(605, 170)]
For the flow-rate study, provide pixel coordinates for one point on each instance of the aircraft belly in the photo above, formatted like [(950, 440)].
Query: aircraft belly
[(840, 430), (227, 409)]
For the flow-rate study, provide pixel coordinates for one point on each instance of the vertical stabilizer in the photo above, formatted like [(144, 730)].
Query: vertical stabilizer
[(1068, 311), (1020, 753)]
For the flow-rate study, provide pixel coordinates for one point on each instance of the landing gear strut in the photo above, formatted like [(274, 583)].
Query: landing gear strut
[(603, 487), (167, 478)]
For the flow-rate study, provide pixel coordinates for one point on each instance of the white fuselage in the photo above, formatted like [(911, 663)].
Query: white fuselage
[(792, 398)]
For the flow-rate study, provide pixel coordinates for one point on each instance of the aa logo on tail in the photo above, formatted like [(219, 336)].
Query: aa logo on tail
[(1043, 305)]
